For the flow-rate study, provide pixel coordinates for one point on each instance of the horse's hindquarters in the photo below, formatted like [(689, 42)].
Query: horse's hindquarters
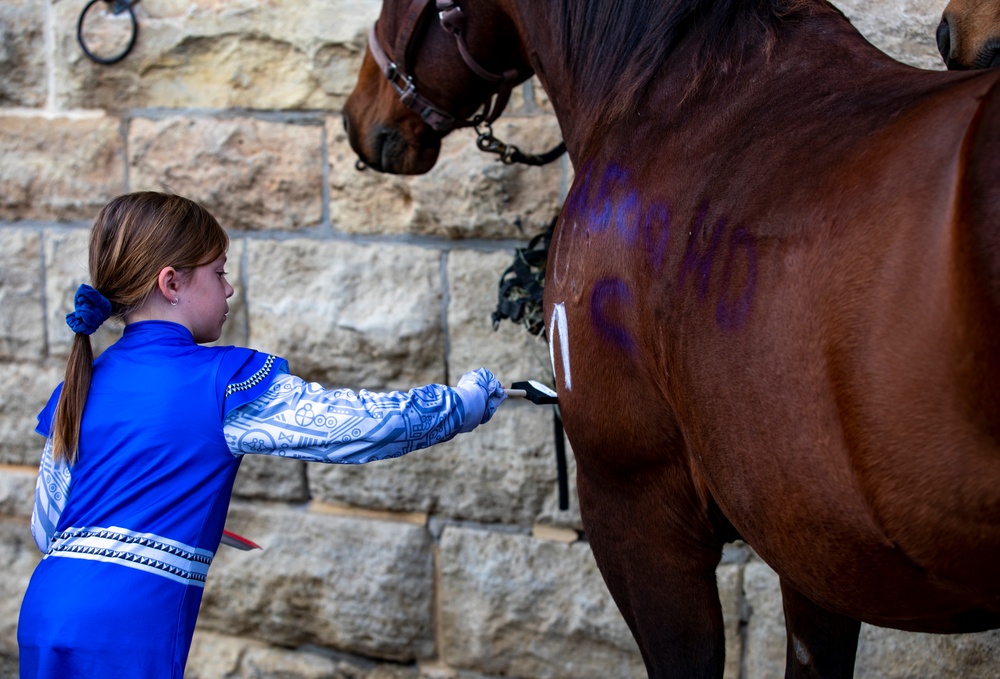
[(802, 375)]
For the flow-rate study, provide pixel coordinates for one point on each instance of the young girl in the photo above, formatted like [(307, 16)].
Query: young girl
[(143, 444)]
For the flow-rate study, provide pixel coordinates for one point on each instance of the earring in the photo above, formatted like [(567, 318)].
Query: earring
[(174, 303)]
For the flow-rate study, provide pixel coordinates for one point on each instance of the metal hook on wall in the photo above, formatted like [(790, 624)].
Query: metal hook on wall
[(117, 7)]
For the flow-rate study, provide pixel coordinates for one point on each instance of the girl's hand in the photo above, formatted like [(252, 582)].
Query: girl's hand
[(481, 393)]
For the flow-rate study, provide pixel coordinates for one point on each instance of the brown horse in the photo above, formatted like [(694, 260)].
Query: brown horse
[(772, 301), (969, 34)]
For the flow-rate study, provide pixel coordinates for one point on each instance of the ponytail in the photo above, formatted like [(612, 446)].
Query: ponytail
[(91, 309), (69, 410)]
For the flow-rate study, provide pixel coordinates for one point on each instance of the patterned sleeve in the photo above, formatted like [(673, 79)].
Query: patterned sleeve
[(303, 420), (51, 492)]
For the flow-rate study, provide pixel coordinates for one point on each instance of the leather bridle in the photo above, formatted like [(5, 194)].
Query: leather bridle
[(400, 76)]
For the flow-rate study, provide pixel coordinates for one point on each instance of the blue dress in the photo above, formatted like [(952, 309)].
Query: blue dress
[(129, 531)]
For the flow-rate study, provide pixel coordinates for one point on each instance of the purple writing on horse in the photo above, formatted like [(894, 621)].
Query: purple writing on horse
[(719, 260)]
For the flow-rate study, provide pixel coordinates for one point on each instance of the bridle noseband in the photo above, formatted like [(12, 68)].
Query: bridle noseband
[(400, 75)]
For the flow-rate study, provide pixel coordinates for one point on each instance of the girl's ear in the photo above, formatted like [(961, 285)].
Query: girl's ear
[(168, 283)]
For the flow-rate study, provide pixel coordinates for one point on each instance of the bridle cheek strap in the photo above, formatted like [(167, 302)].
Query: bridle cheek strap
[(453, 21), (438, 120)]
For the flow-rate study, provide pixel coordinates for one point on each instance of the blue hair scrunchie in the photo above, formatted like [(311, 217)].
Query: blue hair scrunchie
[(92, 309)]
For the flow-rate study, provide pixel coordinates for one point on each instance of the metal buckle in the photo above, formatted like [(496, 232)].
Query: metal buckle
[(445, 5), (408, 94), (406, 90)]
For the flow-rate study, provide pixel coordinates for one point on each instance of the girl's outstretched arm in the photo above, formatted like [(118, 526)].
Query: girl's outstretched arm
[(294, 418)]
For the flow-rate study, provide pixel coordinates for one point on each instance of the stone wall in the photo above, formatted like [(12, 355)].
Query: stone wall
[(450, 563)]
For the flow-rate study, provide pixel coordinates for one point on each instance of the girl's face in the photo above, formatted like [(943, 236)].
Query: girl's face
[(202, 300)]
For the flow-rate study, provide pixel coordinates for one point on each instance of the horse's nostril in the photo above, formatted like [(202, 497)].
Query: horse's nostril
[(988, 56), (944, 39)]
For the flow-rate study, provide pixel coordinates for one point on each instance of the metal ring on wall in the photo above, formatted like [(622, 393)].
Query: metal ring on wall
[(118, 7)]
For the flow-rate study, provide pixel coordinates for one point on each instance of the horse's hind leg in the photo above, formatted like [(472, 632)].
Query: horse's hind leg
[(821, 644), (657, 552)]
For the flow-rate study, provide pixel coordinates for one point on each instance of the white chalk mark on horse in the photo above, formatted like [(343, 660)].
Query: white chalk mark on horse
[(559, 328)]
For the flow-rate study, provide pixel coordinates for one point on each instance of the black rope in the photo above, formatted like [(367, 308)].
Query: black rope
[(561, 472), (540, 159), (510, 154)]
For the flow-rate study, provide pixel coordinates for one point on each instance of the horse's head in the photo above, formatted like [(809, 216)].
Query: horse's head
[(429, 67), (969, 34)]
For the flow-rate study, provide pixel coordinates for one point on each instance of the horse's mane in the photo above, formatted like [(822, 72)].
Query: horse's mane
[(617, 46)]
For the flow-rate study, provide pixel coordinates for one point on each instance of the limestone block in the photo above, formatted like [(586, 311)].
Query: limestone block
[(206, 54), (511, 605), (520, 100), (236, 331), (342, 583), (22, 53), (528, 98), (216, 655), (468, 194), (17, 490), (730, 582), (8, 664), (22, 330), (891, 654), (26, 390), (18, 558), (882, 653), (265, 477), (765, 633), (348, 315), (504, 471), (551, 514), (541, 97), (251, 174), (59, 167), (903, 29)]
